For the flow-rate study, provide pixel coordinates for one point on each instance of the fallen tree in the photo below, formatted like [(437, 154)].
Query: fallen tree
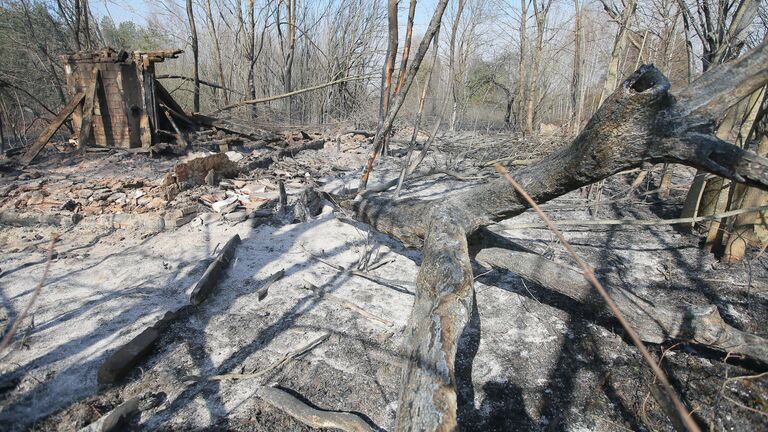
[(639, 123)]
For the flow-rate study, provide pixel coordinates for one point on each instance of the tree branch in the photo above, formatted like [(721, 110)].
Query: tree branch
[(293, 93)]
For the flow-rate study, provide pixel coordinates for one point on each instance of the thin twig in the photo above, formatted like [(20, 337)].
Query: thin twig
[(347, 304), (648, 395), (589, 275), (394, 284), (7, 339), (275, 365), (737, 403), (293, 93), (510, 160), (353, 307), (380, 264)]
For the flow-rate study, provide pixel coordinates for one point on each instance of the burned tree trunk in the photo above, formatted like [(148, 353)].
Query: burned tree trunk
[(640, 122), (384, 129), (195, 71)]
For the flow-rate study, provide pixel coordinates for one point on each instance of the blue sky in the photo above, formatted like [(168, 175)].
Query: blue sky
[(138, 10), (121, 10)]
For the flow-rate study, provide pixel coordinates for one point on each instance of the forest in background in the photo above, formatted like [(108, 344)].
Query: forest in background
[(501, 63)]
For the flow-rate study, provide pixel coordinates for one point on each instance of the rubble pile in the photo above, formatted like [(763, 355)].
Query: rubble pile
[(227, 175)]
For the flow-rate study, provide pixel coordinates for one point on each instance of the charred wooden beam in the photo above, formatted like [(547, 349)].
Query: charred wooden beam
[(164, 97), (208, 281), (233, 127), (51, 129), (86, 127), (122, 361), (179, 133)]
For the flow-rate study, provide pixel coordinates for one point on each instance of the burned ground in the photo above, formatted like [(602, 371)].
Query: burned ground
[(529, 360)]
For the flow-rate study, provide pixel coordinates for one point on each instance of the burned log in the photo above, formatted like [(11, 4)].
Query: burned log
[(641, 122), (208, 281)]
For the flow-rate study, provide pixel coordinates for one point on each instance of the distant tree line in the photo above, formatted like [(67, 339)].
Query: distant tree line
[(501, 64)]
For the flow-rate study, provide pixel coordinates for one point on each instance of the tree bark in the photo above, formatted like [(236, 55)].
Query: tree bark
[(522, 69), (195, 72), (642, 121), (576, 75)]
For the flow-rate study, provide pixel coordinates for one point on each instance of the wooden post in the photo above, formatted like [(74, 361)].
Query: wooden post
[(148, 122)]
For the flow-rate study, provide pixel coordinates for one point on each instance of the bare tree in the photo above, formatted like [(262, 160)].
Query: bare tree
[(619, 44), (217, 49), (287, 46), (195, 54), (406, 46), (385, 129), (389, 65), (576, 76), (540, 12), (522, 67), (452, 63)]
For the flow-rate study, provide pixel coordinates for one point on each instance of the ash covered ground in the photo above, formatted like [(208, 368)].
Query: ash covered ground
[(132, 244)]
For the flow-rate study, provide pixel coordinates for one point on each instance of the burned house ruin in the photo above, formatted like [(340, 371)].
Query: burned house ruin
[(125, 106), (116, 101)]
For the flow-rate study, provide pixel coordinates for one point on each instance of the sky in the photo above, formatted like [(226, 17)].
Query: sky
[(122, 10), (138, 11)]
